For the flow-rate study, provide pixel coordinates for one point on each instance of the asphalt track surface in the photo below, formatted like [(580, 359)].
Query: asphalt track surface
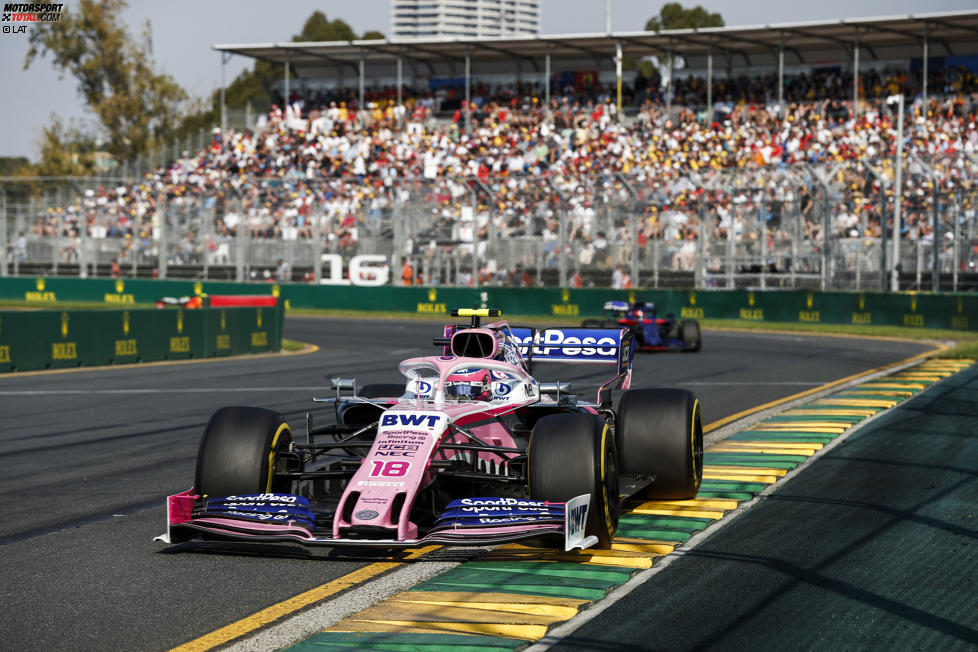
[(87, 457)]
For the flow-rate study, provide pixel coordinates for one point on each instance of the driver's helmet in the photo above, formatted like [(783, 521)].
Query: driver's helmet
[(469, 383), (641, 309)]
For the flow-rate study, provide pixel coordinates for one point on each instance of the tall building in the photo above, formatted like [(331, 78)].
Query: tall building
[(464, 18)]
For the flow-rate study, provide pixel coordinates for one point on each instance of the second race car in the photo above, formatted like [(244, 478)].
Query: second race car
[(651, 332)]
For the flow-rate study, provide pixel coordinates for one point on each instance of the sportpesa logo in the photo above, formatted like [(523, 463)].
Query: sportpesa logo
[(32, 12), (569, 344)]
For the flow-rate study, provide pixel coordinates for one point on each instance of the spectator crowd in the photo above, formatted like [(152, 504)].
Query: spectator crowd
[(576, 176)]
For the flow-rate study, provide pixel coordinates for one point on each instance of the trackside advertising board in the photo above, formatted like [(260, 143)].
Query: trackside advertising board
[(568, 307)]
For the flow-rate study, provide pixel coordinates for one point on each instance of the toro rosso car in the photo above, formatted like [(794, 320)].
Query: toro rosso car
[(651, 332), (469, 449)]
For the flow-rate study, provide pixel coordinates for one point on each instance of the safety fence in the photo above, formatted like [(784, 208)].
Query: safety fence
[(51, 339), (823, 221), (918, 310)]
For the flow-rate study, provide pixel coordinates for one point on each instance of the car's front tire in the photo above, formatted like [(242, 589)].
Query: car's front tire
[(574, 454), (659, 433), (239, 450)]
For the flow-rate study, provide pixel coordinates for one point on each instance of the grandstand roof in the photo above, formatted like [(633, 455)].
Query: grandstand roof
[(947, 33)]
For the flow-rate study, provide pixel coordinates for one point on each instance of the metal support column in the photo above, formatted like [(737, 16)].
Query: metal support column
[(546, 77), (360, 105), (399, 79), (709, 84), (224, 109), (855, 76), (924, 86), (618, 77), (670, 87), (468, 72), (288, 91), (781, 76)]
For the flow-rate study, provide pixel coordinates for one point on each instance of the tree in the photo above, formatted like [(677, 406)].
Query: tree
[(320, 28), (11, 165), (136, 106), (255, 85), (66, 151), (673, 15)]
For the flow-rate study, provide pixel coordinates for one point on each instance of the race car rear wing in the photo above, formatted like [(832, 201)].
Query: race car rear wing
[(578, 345), (528, 344)]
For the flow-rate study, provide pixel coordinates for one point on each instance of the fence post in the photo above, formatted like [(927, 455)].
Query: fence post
[(82, 245), (241, 243), (562, 249), (699, 273), (161, 260), (762, 227), (476, 268), (936, 274), (317, 248), (656, 245), (826, 240), (730, 251), (633, 252), (919, 261), (3, 233), (203, 234), (956, 254)]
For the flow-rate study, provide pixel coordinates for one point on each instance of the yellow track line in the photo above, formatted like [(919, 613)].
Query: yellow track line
[(821, 388), (286, 607)]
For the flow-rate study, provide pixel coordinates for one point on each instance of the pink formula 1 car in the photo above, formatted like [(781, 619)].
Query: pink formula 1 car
[(470, 449)]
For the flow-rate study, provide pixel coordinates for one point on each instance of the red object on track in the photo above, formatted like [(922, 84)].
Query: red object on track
[(241, 301)]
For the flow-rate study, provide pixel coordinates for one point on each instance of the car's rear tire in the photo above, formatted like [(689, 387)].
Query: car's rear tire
[(690, 335), (659, 433), (574, 454), (238, 452), (591, 323)]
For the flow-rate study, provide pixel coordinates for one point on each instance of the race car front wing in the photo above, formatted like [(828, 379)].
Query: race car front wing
[(489, 521)]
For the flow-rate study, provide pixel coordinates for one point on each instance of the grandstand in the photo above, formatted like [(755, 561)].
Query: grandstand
[(535, 171)]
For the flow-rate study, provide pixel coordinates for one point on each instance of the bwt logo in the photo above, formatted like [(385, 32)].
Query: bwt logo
[(576, 518), (400, 419)]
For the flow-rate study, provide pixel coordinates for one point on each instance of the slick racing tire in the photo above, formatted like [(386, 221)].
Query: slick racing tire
[(689, 331), (591, 323), (574, 454), (659, 433), (239, 450)]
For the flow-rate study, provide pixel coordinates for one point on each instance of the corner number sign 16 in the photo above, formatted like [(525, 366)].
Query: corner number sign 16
[(389, 469)]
